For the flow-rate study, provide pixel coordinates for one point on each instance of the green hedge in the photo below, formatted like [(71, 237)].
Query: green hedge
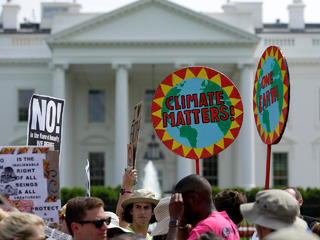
[(310, 207), (109, 195)]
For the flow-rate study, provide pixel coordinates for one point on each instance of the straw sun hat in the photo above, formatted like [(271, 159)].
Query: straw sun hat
[(161, 212), (138, 196)]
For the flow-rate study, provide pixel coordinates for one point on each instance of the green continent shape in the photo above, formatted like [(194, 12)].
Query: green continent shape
[(190, 134), (208, 86), (277, 80), (266, 119), (265, 113)]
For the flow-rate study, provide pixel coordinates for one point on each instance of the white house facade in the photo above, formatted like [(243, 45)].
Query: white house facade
[(103, 64)]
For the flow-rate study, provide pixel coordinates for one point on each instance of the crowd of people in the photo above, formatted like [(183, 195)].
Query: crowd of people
[(190, 213)]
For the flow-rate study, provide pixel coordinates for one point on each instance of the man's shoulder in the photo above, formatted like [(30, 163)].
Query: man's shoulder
[(310, 220)]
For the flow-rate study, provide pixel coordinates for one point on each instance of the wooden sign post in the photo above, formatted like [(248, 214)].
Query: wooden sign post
[(134, 135), (197, 112), (271, 95)]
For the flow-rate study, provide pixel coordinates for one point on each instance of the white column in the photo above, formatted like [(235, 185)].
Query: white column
[(59, 91), (246, 143), (185, 166), (59, 81), (121, 124)]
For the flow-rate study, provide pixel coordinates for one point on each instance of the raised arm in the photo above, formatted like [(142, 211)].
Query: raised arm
[(177, 227), (126, 189)]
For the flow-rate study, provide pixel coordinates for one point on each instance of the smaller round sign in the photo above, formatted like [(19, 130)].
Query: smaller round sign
[(197, 112), (271, 95)]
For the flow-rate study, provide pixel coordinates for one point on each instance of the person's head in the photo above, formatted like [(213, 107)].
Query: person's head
[(138, 209), (113, 228), (295, 193), (86, 218), (161, 213), (21, 226), (230, 201), (197, 197), (273, 209), (316, 228)]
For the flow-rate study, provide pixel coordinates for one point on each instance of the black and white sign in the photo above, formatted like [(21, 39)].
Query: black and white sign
[(45, 121)]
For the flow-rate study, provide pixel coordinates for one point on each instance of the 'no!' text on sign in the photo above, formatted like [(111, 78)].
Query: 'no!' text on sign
[(197, 112), (45, 121)]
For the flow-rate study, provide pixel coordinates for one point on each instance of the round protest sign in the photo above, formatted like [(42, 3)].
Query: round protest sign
[(271, 95), (197, 112)]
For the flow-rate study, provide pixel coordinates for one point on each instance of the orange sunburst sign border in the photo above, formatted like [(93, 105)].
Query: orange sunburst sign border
[(202, 73), (272, 136)]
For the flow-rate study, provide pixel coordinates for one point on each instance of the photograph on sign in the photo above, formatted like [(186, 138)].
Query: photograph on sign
[(30, 180), (135, 124), (130, 158), (197, 112), (271, 95), (45, 121)]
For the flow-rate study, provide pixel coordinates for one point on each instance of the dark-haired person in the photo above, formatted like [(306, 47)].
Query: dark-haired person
[(135, 209), (138, 211), (86, 218), (230, 201)]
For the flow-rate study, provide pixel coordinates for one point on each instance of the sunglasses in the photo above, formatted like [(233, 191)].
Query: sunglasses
[(97, 223)]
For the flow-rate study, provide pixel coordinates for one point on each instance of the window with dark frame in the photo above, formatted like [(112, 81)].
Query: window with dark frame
[(148, 103), (280, 169), (97, 106), (24, 96), (96, 161), (210, 169)]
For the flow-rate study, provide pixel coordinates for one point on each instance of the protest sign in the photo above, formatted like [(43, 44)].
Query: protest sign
[(52, 233), (197, 112), (5, 205), (29, 179), (45, 121), (271, 95), (130, 160), (134, 135)]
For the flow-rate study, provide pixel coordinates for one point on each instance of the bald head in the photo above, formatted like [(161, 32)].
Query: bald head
[(194, 183), (294, 192)]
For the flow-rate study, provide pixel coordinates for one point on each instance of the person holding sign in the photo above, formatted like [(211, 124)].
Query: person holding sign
[(128, 179), (138, 211), (135, 209)]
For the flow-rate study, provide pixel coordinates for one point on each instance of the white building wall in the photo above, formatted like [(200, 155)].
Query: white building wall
[(24, 64)]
